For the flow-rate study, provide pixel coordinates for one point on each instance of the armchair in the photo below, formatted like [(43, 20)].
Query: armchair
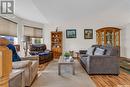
[(40, 50), (30, 66)]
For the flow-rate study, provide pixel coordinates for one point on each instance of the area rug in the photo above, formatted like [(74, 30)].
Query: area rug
[(50, 78)]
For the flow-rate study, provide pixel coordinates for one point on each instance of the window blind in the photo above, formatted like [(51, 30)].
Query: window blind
[(33, 32), (8, 27)]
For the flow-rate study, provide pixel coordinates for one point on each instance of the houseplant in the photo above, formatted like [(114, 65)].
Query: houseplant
[(67, 54)]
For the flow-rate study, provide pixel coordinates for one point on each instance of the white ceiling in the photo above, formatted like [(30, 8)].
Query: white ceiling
[(26, 9), (74, 11)]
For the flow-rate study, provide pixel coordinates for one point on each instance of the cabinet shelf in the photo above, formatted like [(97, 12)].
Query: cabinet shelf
[(56, 44)]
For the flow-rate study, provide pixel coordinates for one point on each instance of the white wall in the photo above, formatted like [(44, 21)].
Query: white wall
[(78, 43), (68, 43), (126, 41)]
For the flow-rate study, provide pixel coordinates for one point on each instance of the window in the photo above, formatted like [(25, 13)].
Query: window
[(7, 27), (33, 35), (13, 40), (33, 32), (37, 40), (8, 30)]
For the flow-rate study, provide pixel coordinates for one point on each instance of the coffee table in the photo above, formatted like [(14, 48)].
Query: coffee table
[(63, 61)]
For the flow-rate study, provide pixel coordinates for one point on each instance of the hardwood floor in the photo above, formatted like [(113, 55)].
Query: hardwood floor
[(41, 67), (123, 80)]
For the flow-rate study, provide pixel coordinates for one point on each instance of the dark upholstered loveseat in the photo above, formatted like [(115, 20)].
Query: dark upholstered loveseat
[(40, 49), (108, 63)]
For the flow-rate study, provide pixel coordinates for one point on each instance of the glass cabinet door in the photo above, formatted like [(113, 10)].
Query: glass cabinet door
[(98, 37), (117, 38), (102, 38), (109, 38)]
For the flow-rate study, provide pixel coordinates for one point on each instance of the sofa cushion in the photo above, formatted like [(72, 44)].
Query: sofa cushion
[(38, 47), (90, 51), (44, 53), (21, 64), (99, 51), (34, 53)]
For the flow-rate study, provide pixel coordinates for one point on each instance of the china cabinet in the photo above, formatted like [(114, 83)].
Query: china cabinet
[(108, 36)]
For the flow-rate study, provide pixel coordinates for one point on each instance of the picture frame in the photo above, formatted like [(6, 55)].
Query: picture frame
[(71, 33), (88, 33)]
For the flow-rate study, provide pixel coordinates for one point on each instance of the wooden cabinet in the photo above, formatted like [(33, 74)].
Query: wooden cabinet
[(108, 36), (56, 44)]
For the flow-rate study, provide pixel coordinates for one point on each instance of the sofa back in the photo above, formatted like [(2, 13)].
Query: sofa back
[(38, 47), (109, 50)]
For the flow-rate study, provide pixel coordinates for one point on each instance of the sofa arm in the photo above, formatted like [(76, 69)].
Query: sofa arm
[(21, 64)]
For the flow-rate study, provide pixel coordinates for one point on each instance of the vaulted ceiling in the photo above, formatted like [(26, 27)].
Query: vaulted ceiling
[(74, 11)]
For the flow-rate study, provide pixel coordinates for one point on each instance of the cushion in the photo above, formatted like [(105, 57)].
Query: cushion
[(90, 51), (99, 51), (38, 47), (15, 56), (43, 53), (21, 64), (33, 53)]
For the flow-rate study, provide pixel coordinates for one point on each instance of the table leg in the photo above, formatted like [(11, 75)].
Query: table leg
[(59, 69), (73, 66)]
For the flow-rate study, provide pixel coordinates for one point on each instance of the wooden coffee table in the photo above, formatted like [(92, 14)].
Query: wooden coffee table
[(62, 61)]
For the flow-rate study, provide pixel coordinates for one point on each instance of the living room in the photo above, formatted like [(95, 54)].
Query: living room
[(83, 23)]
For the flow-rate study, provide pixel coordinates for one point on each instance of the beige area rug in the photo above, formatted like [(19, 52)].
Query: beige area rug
[(50, 78)]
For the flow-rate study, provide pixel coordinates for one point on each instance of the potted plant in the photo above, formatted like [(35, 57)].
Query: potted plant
[(66, 54)]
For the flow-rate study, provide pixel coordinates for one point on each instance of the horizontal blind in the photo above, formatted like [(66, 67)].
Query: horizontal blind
[(28, 31), (32, 32), (8, 27), (38, 32)]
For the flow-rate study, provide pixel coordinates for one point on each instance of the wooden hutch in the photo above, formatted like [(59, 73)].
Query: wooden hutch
[(56, 44), (108, 36)]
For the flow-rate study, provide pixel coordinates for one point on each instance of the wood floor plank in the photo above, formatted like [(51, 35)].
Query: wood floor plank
[(122, 80)]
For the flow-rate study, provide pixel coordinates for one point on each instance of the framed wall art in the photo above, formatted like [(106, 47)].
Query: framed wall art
[(71, 33), (88, 33)]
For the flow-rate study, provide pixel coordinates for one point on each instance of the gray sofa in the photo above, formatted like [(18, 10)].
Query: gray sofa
[(108, 63)]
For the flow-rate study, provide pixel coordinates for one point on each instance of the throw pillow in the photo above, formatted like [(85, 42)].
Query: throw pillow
[(99, 51), (90, 51), (15, 56)]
